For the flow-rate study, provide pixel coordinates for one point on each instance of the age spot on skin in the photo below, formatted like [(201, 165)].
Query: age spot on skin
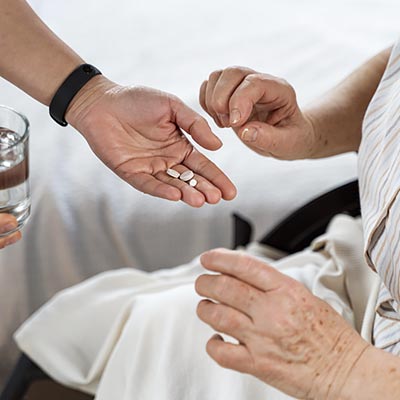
[(392, 370), (320, 322)]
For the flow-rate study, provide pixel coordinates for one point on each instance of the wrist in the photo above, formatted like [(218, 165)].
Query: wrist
[(356, 378), (79, 110), (314, 133), (337, 367)]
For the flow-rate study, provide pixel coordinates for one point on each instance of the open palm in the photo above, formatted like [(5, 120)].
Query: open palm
[(136, 131)]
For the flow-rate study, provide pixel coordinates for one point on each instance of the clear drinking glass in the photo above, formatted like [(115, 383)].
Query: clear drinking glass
[(14, 166)]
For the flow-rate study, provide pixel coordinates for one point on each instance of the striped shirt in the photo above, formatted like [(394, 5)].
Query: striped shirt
[(379, 177)]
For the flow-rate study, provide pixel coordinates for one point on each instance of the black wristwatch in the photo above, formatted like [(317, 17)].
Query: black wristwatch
[(68, 89)]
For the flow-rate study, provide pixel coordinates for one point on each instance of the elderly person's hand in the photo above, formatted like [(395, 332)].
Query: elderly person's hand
[(137, 132), (8, 223), (263, 111), (286, 336)]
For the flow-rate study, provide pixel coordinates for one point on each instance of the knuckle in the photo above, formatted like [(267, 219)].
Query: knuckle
[(220, 105), (245, 263), (216, 316), (253, 78), (173, 99), (229, 323), (215, 74), (287, 85), (237, 71), (222, 286)]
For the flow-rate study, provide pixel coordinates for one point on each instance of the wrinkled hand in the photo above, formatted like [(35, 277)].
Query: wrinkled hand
[(286, 336), (136, 131), (262, 110), (8, 223)]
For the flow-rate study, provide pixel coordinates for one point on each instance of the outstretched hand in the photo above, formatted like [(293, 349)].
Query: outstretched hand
[(138, 133)]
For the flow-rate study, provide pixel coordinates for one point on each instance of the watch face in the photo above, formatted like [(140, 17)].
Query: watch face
[(49, 390)]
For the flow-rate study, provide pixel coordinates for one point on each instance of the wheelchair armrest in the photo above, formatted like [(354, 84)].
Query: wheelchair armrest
[(25, 372), (298, 230), (29, 382)]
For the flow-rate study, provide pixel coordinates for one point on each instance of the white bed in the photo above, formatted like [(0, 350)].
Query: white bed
[(85, 220)]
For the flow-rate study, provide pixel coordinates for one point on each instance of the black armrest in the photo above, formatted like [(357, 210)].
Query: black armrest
[(298, 230), (24, 373)]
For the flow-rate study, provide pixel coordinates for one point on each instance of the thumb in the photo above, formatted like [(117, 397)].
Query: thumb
[(196, 126), (268, 140)]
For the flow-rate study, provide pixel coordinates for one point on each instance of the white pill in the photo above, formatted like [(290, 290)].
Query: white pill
[(173, 173), (187, 176), (193, 182)]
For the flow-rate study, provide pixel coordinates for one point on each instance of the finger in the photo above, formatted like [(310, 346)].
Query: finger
[(226, 85), (148, 184), (10, 239), (8, 223), (202, 166), (268, 140), (224, 319), (271, 92), (230, 291), (196, 126), (244, 267), (212, 81), (211, 193), (189, 195), (228, 355)]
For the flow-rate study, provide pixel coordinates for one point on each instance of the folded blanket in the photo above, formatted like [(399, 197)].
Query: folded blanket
[(127, 334)]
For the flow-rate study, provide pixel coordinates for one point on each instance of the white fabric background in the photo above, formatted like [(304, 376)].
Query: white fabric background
[(85, 220)]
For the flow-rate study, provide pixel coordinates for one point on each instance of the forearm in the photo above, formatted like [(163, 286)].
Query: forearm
[(32, 56), (337, 117), (376, 375)]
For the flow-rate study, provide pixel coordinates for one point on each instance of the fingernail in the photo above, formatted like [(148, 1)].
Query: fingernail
[(224, 118), (235, 116), (249, 134), (9, 227)]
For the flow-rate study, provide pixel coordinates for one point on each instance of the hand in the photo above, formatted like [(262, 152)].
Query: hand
[(8, 223), (136, 131), (286, 336), (262, 110)]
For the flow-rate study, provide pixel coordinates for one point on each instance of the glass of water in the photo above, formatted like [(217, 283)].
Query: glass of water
[(14, 166)]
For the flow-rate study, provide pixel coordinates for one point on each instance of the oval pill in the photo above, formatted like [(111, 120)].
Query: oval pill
[(193, 182), (173, 173), (187, 176)]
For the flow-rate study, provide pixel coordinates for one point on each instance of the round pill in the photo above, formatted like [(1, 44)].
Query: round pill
[(193, 182), (173, 173), (187, 176)]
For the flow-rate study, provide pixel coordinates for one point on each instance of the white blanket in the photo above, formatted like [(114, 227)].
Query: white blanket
[(132, 335)]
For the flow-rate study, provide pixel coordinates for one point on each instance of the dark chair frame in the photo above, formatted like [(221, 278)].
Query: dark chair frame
[(293, 234)]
